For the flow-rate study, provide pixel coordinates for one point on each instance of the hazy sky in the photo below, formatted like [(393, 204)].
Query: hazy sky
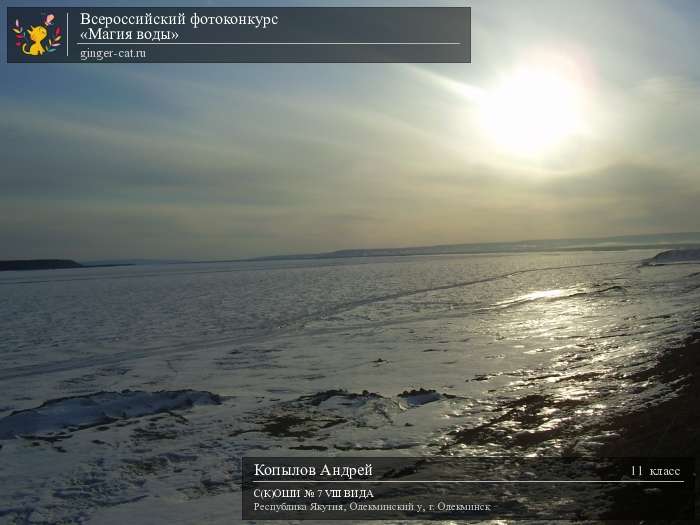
[(222, 161)]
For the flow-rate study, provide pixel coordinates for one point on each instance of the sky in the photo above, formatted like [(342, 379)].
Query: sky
[(574, 119)]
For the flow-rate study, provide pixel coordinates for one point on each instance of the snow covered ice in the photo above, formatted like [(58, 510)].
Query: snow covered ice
[(132, 392)]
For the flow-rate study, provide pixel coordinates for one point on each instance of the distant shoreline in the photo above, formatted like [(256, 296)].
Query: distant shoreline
[(38, 264), (659, 242), (407, 252), (50, 264)]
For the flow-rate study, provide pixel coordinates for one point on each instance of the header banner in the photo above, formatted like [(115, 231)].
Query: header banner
[(41, 35)]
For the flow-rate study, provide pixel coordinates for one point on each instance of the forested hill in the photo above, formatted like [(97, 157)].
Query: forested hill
[(38, 264)]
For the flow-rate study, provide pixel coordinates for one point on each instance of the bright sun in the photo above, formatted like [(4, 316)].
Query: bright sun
[(532, 111)]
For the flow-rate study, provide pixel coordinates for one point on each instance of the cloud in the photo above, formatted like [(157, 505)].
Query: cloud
[(200, 161)]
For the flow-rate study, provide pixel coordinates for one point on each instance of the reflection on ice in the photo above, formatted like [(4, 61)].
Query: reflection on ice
[(541, 294)]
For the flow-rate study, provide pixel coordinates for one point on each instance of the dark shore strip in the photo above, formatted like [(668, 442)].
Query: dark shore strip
[(670, 428)]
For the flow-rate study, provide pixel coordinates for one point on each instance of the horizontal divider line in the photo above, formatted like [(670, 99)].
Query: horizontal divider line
[(470, 481), (270, 43)]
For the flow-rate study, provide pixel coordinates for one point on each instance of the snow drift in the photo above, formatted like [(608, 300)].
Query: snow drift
[(676, 256), (97, 409)]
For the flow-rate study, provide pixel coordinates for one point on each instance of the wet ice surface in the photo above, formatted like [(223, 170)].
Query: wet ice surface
[(491, 355)]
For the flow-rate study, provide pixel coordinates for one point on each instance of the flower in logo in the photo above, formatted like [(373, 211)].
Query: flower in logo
[(31, 40)]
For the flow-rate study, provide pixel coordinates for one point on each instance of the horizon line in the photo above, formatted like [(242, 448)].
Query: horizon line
[(368, 252)]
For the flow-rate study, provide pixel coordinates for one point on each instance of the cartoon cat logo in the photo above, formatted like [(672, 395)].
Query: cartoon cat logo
[(37, 35), (31, 40)]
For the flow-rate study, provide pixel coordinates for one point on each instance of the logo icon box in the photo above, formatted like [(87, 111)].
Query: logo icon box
[(35, 36)]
